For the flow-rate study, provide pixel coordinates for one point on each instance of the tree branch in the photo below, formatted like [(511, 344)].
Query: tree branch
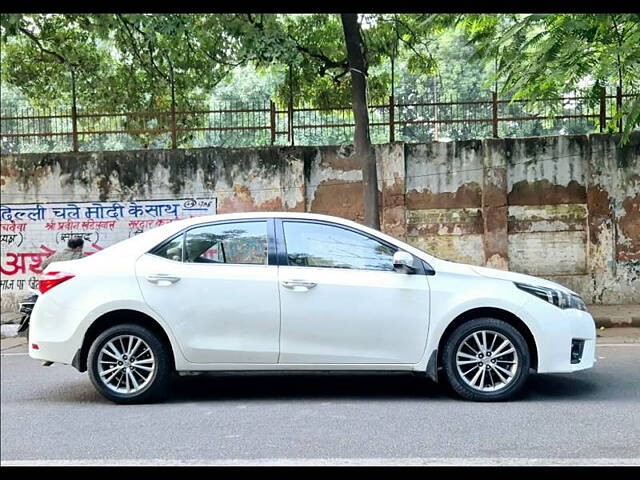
[(327, 62), (134, 42), (56, 55)]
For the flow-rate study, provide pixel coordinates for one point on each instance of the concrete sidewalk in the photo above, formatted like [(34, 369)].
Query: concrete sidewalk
[(615, 315)]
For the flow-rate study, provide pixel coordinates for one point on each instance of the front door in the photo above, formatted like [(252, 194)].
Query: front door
[(341, 300), (213, 285)]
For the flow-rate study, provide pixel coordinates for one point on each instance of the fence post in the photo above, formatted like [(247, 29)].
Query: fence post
[(272, 111), (494, 100), (603, 109), (392, 115), (619, 105), (74, 113)]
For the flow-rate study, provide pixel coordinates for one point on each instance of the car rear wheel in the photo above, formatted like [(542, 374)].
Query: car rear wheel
[(130, 364), (486, 359)]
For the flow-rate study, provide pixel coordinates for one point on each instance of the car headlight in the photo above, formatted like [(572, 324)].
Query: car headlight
[(556, 297)]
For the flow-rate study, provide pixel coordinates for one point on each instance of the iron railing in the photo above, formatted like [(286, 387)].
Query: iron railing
[(266, 123)]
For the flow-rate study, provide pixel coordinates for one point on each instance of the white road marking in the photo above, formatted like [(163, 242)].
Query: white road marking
[(494, 461), (21, 353)]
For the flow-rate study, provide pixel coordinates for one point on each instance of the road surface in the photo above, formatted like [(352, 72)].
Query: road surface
[(52, 415)]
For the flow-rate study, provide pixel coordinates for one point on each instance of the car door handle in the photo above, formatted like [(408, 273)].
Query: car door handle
[(162, 279), (292, 284)]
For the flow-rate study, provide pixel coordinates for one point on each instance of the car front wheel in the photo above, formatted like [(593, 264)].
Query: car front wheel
[(130, 364), (486, 359)]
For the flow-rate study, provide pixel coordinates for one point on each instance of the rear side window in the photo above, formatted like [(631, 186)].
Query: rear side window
[(319, 245), (171, 250), (234, 243)]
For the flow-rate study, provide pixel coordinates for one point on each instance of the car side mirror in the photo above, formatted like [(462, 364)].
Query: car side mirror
[(403, 262)]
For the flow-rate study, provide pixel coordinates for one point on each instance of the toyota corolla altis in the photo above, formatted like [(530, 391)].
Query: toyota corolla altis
[(294, 291)]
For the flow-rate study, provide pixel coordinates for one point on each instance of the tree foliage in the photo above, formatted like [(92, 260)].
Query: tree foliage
[(132, 62), (546, 55)]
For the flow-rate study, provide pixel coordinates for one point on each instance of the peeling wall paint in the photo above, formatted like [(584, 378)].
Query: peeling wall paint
[(566, 208)]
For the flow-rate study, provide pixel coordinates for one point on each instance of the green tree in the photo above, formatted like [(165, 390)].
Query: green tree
[(547, 55), (324, 61)]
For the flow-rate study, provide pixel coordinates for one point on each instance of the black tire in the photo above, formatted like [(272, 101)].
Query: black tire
[(157, 387), (455, 379)]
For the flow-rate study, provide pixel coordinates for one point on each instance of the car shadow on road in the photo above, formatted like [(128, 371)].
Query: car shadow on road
[(220, 387), (268, 386), (563, 387), (365, 387)]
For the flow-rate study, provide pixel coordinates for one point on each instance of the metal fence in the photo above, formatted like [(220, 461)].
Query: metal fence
[(266, 123)]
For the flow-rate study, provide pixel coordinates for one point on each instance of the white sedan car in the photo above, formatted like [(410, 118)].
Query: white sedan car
[(295, 291)]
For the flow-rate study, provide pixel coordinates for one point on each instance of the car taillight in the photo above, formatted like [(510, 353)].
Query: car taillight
[(51, 279)]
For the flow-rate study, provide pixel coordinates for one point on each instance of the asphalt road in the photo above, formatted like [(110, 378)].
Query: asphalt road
[(53, 415)]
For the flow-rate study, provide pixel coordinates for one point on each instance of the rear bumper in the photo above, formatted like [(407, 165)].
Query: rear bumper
[(54, 329)]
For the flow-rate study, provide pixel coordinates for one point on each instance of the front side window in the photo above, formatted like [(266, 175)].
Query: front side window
[(237, 243), (320, 245)]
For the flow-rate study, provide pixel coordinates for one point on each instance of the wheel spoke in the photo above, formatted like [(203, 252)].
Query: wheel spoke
[(466, 362), (466, 355), (146, 360), (143, 352), (502, 378), (112, 375), (107, 352), (467, 344), (141, 375), (135, 347), (493, 342), (502, 345), (473, 380), (114, 350), (506, 352), (493, 382), (148, 369), (133, 379), (119, 381), (108, 371), (475, 337), (499, 368)]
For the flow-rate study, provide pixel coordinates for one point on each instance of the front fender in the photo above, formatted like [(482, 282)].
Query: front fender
[(453, 295)]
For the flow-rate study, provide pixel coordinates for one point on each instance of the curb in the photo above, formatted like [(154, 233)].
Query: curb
[(617, 322)]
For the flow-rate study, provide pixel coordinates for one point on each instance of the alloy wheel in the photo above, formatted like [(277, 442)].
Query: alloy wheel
[(487, 361), (126, 364)]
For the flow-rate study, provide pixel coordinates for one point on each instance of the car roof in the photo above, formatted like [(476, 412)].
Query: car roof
[(249, 215)]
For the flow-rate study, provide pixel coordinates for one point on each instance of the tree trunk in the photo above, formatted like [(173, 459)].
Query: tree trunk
[(361, 139)]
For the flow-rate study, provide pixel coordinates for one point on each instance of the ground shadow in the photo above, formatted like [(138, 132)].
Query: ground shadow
[(269, 386), (265, 386)]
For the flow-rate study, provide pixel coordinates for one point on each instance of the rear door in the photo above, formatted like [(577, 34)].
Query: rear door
[(214, 285), (341, 300)]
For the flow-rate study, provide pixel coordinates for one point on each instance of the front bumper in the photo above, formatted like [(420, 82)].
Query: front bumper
[(556, 332)]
